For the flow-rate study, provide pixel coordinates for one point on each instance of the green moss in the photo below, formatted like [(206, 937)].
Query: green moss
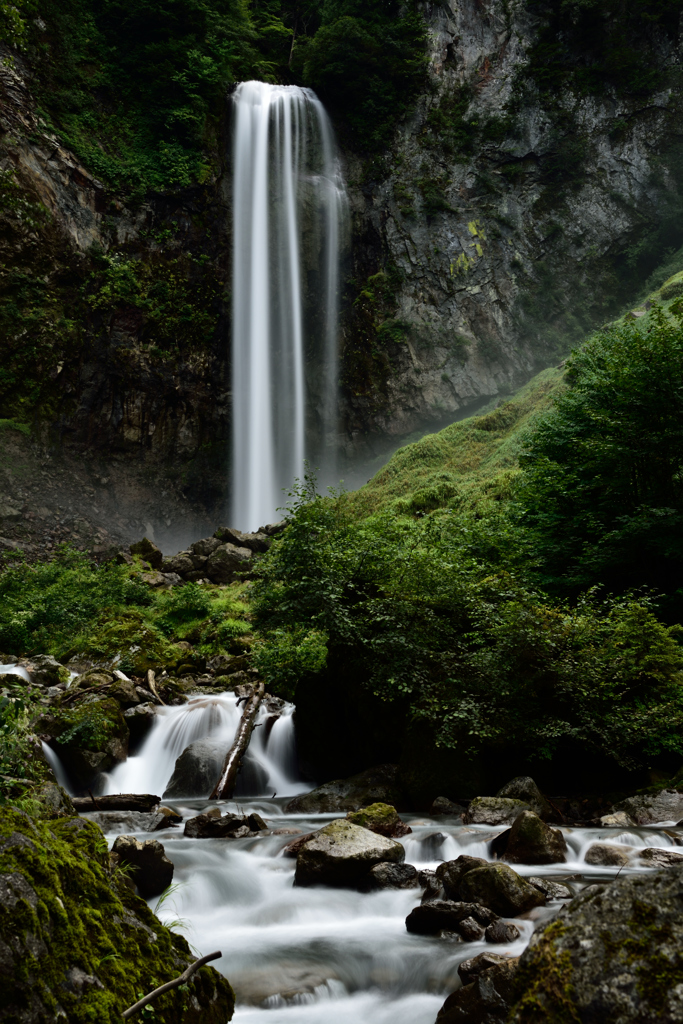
[(78, 943), (543, 990), (657, 973), (375, 817)]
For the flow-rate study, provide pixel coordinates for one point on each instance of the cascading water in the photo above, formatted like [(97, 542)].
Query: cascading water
[(289, 213)]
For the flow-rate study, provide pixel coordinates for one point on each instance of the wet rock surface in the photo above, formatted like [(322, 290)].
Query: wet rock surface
[(648, 809), (380, 818), (341, 854), (196, 770), (609, 855), (613, 953), (217, 826), (499, 887), (525, 789), (375, 785), (486, 999), (530, 841), (152, 871), (494, 810), (447, 915)]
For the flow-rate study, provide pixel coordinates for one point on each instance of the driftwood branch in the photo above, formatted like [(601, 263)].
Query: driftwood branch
[(185, 976), (225, 786), (151, 682)]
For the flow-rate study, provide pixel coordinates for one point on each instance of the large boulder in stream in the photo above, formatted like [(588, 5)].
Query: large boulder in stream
[(197, 770), (374, 785), (152, 870), (486, 994), (649, 808), (382, 819), (530, 841), (499, 887), (341, 854), (525, 789), (612, 954), (494, 810)]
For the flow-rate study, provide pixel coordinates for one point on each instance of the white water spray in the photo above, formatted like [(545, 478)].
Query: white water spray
[(289, 212)]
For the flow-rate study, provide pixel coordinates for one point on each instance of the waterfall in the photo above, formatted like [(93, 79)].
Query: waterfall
[(289, 213)]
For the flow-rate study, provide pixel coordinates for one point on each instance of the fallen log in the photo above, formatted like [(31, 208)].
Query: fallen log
[(151, 683), (144, 802), (180, 980), (225, 787)]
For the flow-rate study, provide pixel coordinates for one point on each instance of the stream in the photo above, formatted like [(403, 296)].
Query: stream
[(299, 955)]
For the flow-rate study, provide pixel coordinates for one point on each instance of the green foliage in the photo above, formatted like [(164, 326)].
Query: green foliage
[(16, 760), (367, 62), (420, 614), (13, 18), (602, 492)]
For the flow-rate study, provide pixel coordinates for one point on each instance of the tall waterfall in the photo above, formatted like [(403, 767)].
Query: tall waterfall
[(289, 212)]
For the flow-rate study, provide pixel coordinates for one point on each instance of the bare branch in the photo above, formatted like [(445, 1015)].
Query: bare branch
[(185, 976)]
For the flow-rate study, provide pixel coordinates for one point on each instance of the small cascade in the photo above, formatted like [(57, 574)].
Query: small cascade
[(289, 213), (57, 767), (271, 757)]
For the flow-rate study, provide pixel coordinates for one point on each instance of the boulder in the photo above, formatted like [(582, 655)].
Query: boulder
[(113, 822), (390, 876), (470, 969), (606, 855), (380, 818), (660, 858), (612, 954), (502, 931), (152, 870), (179, 565), (442, 805), (197, 770), (451, 873), (256, 822), (45, 670), (525, 789), (225, 561), (445, 916), (258, 542), (117, 802), (551, 890), (139, 720), (499, 887), (374, 785), (494, 810), (206, 547), (485, 1000), (648, 809), (55, 800), (215, 826), (148, 551), (530, 841), (340, 854), (620, 819)]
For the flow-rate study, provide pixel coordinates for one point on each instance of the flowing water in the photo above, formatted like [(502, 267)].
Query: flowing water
[(323, 956), (289, 213)]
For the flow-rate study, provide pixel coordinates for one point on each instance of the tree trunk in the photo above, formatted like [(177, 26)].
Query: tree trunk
[(225, 787)]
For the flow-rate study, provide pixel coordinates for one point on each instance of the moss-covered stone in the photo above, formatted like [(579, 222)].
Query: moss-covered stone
[(77, 944), (380, 818), (90, 737)]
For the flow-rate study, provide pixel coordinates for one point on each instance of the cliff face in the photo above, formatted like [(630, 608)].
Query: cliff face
[(499, 226), (506, 220)]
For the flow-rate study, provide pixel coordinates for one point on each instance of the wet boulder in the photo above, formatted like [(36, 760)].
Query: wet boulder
[(152, 870), (551, 890), (45, 670), (380, 818), (386, 875), (436, 916), (620, 819), (470, 969), (92, 739), (650, 808), (612, 954), (608, 855), (55, 800), (197, 770), (525, 789), (451, 873), (502, 932), (131, 821), (341, 854), (499, 887), (660, 858), (442, 805), (530, 841), (494, 810), (216, 826), (374, 785), (139, 720), (225, 561), (484, 1000)]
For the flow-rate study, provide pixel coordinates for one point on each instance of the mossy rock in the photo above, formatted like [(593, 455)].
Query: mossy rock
[(380, 818), (77, 944), (90, 737)]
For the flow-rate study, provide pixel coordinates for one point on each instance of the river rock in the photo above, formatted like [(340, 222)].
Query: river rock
[(442, 805), (619, 819), (139, 720), (550, 889), (660, 858), (340, 854), (382, 819), (153, 871), (197, 770), (148, 551), (256, 822), (606, 855), (225, 561), (485, 1000), (451, 873), (45, 670), (530, 841), (131, 821), (144, 802), (613, 954), (257, 542), (390, 876), (525, 789), (470, 969), (499, 887), (650, 808), (55, 800), (494, 810), (502, 931), (375, 785), (445, 916), (213, 826)]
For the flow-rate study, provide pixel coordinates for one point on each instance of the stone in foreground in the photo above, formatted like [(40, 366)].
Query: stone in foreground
[(152, 870), (341, 854), (612, 954), (485, 1000), (494, 810), (499, 887), (530, 841)]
